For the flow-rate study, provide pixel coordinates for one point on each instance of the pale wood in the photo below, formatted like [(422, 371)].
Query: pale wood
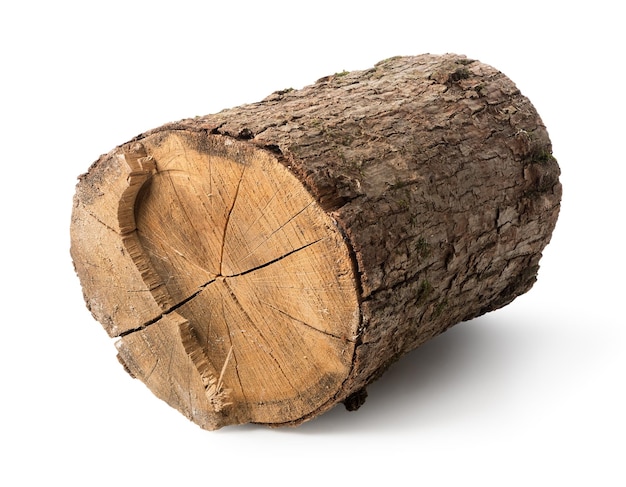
[(253, 280), (267, 262)]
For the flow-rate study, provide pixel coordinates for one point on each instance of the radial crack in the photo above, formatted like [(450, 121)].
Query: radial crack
[(166, 312), (269, 305), (275, 231), (284, 256), (265, 348), (228, 217)]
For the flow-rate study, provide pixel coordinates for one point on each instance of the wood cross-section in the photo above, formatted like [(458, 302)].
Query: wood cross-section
[(255, 273)]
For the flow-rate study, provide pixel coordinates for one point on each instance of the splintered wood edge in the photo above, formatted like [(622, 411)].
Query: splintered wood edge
[(259, 309)]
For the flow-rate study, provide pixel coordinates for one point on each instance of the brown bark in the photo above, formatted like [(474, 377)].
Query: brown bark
[(267, 262)]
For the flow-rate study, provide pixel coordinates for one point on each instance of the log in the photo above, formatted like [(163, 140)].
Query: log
[(268, 262)]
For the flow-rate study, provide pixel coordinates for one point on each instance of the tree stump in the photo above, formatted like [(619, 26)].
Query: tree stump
[(268, 262)]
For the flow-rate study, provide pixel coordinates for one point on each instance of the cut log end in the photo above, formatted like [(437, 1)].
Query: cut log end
[(255, 283)]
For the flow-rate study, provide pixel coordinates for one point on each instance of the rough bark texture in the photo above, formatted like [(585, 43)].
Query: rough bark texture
[(438, 173)]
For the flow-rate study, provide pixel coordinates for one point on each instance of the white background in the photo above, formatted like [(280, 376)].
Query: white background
[(532, 394)]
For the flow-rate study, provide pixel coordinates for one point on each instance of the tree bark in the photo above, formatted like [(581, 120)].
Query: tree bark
[(267, 262)]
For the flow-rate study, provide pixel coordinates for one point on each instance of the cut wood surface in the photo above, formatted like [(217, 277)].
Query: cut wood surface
[(268, 262)]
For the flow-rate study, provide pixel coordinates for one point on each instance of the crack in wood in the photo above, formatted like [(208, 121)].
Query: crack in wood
[(267, 349), (228, 218), (284, 313), (205, 285), (274, 232), (165, 313)]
